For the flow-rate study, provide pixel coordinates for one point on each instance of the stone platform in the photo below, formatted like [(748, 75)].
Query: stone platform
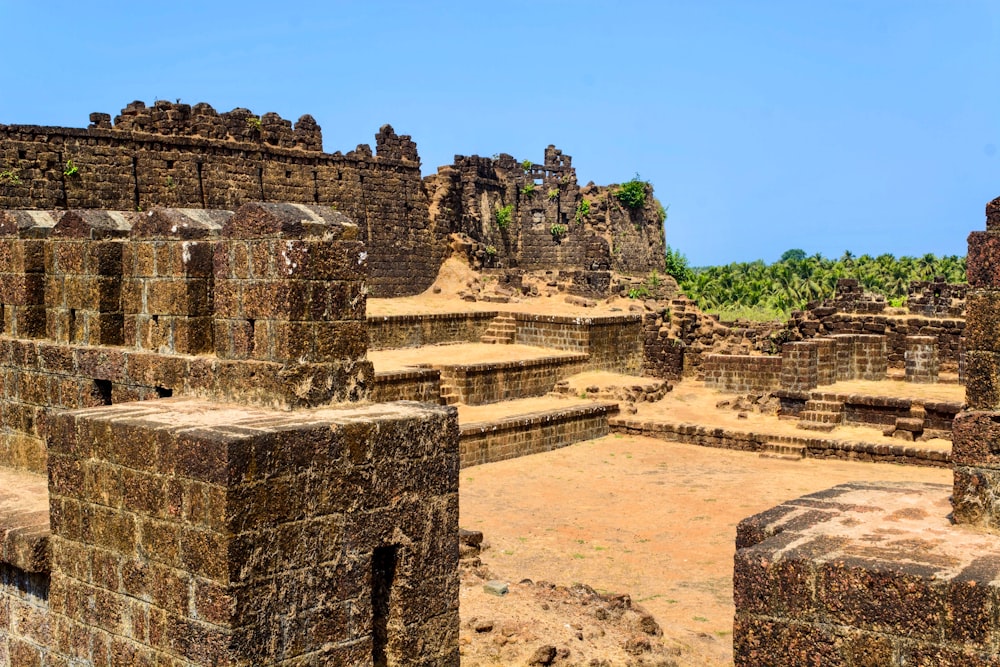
[(866, 574)]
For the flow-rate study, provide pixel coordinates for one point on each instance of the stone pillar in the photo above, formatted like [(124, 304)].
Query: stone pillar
[(871, 361), (83, 266), (844, 356), (976, 432), (799, 366), (167, 283), (921, 359), (289, 294), (22, 272), (826, 360)]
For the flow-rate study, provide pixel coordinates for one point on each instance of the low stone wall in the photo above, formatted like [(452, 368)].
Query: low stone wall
[(874, 410), (902, 587), (395, 331), (25, 624), (741, 373), (477, 384), (948, 333), (614, 343), (484, 442), (827, 448), (414, 384)]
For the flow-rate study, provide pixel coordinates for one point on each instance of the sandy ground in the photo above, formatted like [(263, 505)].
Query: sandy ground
[(653, 519), (458, 353)]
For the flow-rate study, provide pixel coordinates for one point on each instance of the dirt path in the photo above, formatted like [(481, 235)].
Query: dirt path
[(653, 519)]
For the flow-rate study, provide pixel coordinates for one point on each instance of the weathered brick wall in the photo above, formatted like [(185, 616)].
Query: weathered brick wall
[(221, 535), (415, 384), (478, 384), (799, 365), (614, 343), (936, 298), (549, 226), (921, 359), (280, 303), (25, 622), (531, 434), (395, 331), (948, 332), (663, 354), (175, 155), (741, 373)]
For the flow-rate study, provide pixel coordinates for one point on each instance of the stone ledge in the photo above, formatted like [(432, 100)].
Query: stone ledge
[(528, 420), (707, 436), (24, 521), (416, 317), (865, 570)]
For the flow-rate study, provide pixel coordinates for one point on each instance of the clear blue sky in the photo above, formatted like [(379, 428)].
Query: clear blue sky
[(866, 125)]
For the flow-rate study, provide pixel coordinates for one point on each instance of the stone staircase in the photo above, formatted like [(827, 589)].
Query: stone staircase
[(501, 331), (449, 395), (821, 415), (783, 450)]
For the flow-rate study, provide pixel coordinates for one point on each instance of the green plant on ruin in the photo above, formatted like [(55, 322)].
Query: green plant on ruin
[(582, 209), (553, 194), (503, 216), (491, 251), (9, 177), (254, 124), (170, 182), (558, 230), (632, 194), (639, 292), (527, 165), (71, 169), (528, 190)]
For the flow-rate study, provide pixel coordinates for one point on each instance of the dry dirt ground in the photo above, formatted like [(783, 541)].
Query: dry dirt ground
[(652, 519)]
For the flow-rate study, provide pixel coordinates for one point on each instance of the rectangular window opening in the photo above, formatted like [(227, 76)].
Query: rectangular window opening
[(383, 572), (102, 391), (163, 392)]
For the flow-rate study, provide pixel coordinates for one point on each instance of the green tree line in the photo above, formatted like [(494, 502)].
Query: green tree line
[(774, 290)]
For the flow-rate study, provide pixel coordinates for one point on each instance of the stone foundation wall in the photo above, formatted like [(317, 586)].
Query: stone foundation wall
[(478, 384), (531, 434), (816, 447), (948, 333), (419, 384), (741, 374), (613, 343), (396, 331)]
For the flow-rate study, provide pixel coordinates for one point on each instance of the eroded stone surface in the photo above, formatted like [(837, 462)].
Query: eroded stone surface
[(870, 572)]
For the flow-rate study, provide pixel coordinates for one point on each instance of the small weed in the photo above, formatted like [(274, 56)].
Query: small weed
[(640, 292), (558, 231), (700, 619), (527, 165), (553, 194), (582, 209), (581, 541), (528, 190), (71, 169), (597, 548), (503, 216), (170, 182), (579, 556), (254, 124), (9, 177), (507, 552), (491, 251)]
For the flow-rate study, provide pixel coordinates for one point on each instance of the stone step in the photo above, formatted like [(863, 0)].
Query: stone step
[(501, 331), (821, 417), (783, 450), (524, 429), (824, 406), (24, 520), (815, 426)]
